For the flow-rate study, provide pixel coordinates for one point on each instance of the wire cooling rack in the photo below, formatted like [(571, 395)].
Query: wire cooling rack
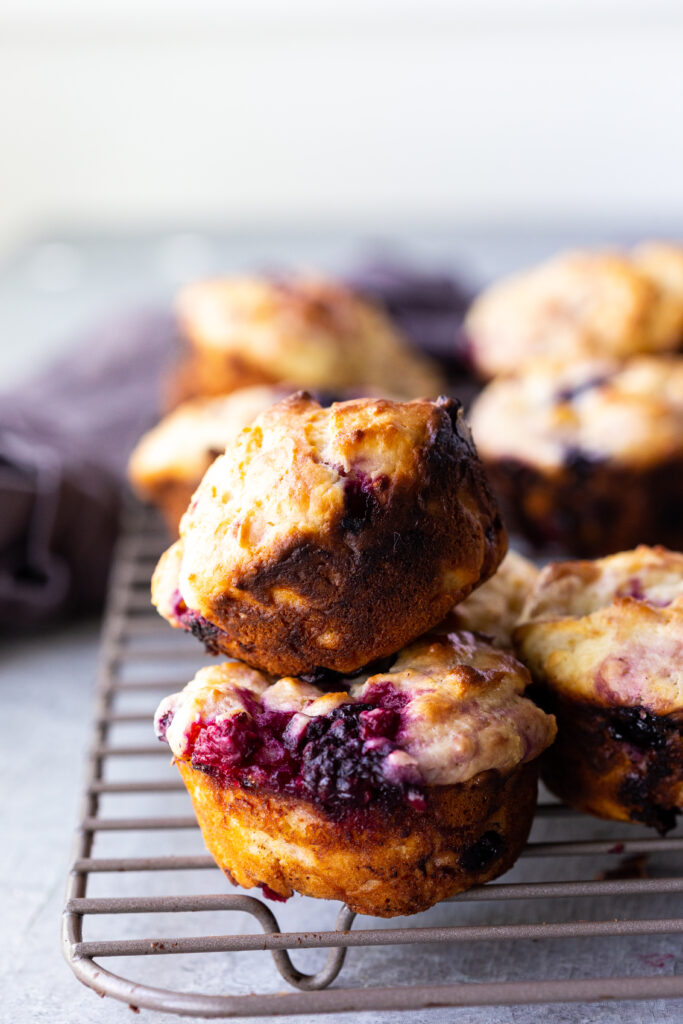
[(592, 910)]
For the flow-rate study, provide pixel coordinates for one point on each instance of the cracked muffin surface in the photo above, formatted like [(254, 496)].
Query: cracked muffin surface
[(417, 782), (327, 538), (170, 460), (305, 331), (580, 304), (604, 643)]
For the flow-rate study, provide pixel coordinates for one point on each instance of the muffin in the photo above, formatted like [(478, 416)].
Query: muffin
[(494, 609), (414, 785), (326, 538), (603, 641), (580, 305), (307, 332), (589, 458), (169, 462), (662, 262)]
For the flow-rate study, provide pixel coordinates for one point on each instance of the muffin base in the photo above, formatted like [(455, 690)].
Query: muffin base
[(379, 862), (591, 508), (620, 763)]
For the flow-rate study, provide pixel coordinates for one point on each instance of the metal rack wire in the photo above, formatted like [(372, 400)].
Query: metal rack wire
[(141, 661)]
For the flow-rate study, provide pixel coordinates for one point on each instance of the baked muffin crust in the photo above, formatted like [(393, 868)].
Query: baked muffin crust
[(414, 785), (399, 863), (632, 414), (610, 631), (331, 537), (662, 262), (306, 331), (604, 644), (170, 460), (580, 304)]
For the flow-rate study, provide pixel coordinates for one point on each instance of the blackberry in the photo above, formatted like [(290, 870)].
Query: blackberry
[(638, 727), (337, 760), (482, 853), (336, 769)]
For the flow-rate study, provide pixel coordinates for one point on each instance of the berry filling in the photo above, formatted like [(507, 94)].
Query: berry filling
[(634, 588), (270, 894), (196, 624), (639, 727), (483, 853), (341, 761), (162, 723), (360, 497)]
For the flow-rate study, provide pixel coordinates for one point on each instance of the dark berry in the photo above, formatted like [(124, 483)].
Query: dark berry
[(482, 853), (633, 588), (638, 727), (331, 681), (360, 502), (581, 463), (335, 760), (196, 624), (162, 723)]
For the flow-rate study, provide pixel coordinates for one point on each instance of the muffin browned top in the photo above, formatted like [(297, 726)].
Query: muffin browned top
[(459, 702), (306, 331), (609, 631), (184, 444), (287, 481), (631, 413), (582, 304), (662, 262), (330, 537)]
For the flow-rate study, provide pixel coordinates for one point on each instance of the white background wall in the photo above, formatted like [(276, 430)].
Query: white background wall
[(129, 112)]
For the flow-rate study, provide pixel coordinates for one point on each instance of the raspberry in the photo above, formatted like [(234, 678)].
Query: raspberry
[(224, 744), (342, 761)]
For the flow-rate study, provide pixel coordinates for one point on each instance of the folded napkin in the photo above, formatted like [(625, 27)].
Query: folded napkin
[(65, 438)]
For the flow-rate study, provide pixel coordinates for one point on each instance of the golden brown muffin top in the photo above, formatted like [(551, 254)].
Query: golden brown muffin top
[(494, 608), (461, 704), (609, 631), (580, 304), (662, 262), (184, 444), (283, 483), (307, 331), (630, 413)]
